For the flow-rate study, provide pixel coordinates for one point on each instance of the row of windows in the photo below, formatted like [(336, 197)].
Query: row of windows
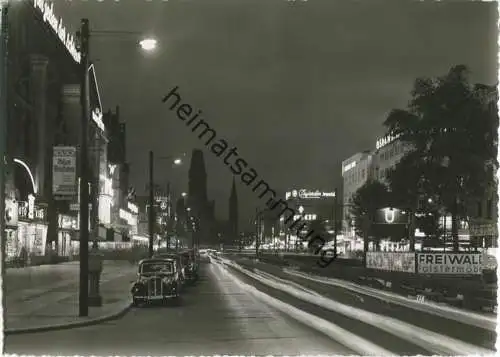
[(355, 177), (395, 150)]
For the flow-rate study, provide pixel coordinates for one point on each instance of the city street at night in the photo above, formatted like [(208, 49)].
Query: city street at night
[(223, 314), (279, 177), (215, 317)]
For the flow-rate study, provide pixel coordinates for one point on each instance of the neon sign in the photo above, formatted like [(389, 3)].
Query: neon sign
[(385, 140), (133, 208), (389, 215), (304, 194), (47, 10), (97, 118)]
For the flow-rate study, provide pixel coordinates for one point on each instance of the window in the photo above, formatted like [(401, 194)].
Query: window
[(479, 209)]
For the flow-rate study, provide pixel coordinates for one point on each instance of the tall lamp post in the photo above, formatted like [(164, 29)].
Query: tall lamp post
[(151, 218), (3, 121), (83, 36), (84, 188), (258, 218)]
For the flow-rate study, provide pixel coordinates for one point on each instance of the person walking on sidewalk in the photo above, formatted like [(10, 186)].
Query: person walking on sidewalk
[(23, 257), (95, 270)]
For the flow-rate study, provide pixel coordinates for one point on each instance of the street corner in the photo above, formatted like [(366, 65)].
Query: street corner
[(118, 310)]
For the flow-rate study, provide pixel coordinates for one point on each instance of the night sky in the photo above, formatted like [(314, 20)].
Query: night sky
[(296, 86)]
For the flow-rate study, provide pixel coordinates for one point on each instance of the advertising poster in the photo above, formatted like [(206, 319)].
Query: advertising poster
[(391, 261), (64, 172), (450, 263)]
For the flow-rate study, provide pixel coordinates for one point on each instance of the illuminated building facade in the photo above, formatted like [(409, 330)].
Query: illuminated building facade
[(389, 150), (356, 170), (39, 66)]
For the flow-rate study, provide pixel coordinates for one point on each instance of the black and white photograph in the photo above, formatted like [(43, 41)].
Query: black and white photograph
[(249, 177)]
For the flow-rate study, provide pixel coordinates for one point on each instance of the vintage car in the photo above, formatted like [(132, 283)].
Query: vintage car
[(180, 263), (158, 280), (191, 262)]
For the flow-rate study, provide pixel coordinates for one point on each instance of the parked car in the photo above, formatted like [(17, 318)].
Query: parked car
[(180, 263), (158, 280), (191, 261)]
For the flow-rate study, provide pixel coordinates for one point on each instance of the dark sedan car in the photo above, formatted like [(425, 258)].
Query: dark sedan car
[(180, 263), (158, 280)]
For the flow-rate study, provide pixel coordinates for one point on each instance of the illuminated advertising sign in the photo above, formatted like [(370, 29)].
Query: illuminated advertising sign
[(97, 118), (450, 263), (127, 216), (132, 208), (11, 212), (68, 222), (305, 194), (391, 261), (391, 216), (385, 140), (29, 211), (47, 10)]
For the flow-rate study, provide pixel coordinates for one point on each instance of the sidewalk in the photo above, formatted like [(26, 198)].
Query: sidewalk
[(34, 305)]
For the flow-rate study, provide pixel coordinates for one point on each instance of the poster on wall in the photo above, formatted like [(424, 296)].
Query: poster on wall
[(450, 263), (391, 261), (64, 173)]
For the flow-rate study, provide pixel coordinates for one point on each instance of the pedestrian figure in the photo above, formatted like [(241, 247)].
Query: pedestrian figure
[(95, 270), (23, 257)]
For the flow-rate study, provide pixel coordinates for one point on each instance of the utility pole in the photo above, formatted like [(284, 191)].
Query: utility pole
[(257, 231), (4, 26), (335, 225), (84, 36), (151, 205), (169, 216)]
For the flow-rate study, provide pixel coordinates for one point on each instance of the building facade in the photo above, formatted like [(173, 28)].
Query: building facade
[(44, 126), (356, 171), (389, 150), (40, 64)]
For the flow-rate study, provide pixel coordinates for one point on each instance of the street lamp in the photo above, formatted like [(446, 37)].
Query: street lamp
[(176, 161), (83, 35), (148, 44), (184, 194)]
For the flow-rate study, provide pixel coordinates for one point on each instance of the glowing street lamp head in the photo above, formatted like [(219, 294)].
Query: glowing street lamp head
[(148, 44), (177, 161), (184, 194)]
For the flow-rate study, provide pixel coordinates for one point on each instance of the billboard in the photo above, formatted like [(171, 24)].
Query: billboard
[(64, 172), (391, 261), (390, 215), (450, 263)]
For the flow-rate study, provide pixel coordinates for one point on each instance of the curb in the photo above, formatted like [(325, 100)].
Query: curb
[(94, 321)]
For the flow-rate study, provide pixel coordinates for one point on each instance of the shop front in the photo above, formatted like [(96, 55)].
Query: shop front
[(32, 230), (13, 248), (67, 234)]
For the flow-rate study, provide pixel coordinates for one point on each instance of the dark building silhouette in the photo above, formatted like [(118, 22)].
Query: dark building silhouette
[(197, 198), (197, 186), (232, 238)]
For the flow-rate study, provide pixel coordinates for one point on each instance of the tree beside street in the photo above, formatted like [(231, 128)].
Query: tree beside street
[(451, 126), (370, 197)]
